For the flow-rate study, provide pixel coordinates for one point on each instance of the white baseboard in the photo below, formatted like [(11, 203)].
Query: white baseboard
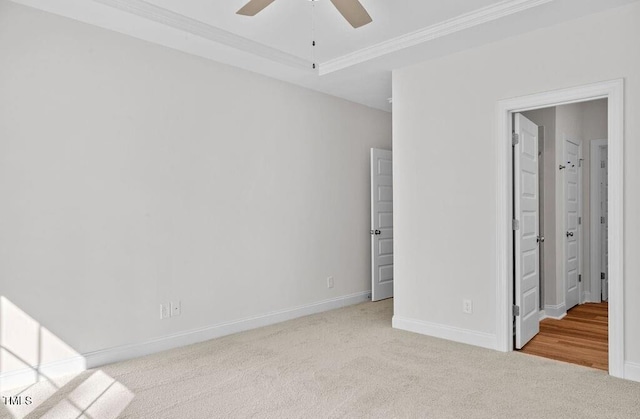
[(456, 334), (75, 365), (122, 353), (588, 299), (632, 371), (555, 311), (31, 375)]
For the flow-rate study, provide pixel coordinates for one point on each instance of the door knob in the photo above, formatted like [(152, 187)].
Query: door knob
[(376, 232), (540, 239), (569, 233)]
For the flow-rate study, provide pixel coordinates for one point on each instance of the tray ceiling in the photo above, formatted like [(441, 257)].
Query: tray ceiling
[(354, 64)]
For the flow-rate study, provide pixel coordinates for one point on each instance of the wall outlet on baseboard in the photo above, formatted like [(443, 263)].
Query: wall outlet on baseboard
[(165, 311), (330, 282), (467, 306)]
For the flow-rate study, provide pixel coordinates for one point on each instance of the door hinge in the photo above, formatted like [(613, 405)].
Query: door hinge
[(579, 220), (580, 278), (516, 310), (515, 138), (580, 162), (601, 220), (515, 224), (602, 275), (602, 164)]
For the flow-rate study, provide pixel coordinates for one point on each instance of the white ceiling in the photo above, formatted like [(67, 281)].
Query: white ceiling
[(354, 64), (287, 24)]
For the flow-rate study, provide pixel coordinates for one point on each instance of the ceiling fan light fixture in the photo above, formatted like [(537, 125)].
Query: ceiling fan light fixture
[(352, 10), (253, 7)]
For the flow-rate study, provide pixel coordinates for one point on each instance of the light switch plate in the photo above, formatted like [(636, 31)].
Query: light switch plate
[(176, 308)]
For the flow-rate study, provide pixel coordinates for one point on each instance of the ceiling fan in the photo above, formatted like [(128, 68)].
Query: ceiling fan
[(352, 10)]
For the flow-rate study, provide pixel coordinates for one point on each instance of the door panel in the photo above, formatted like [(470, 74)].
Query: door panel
[(381, 225), (604, 226), (571, 224), (526, 211)]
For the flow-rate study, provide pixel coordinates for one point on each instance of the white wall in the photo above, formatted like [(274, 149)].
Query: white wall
[(132, 174), (444, 175)]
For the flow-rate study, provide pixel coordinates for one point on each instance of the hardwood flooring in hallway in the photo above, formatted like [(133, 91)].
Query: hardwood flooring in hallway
[(581, 337)]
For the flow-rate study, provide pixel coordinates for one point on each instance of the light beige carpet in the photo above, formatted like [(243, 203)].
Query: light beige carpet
[(347, 363)]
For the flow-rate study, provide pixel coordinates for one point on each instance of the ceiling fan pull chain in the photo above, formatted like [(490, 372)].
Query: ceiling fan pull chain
[(313, 34)]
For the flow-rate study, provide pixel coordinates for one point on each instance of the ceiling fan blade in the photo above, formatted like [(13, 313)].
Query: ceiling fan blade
[(253, 7), (353, 11)]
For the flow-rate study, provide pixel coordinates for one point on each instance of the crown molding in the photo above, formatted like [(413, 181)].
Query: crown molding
[(183, 23), (168, 18), (439, 30)]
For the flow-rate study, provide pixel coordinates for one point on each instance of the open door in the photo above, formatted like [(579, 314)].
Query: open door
[(381, 225), (572, 234), (526, 237)]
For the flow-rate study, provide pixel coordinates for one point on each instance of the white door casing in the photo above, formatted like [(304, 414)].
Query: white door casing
[(381, 224), (571, 234), (613, 91), (526, 200)]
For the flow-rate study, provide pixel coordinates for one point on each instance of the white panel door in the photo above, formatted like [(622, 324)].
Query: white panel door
[(381, 225), (571, 164), (604, 224), (526, 199)]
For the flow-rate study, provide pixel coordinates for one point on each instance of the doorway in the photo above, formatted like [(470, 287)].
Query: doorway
[(551, 162), (506, 311)]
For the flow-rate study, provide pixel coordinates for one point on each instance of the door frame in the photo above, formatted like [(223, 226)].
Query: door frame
[(594, 192), (613, 91)]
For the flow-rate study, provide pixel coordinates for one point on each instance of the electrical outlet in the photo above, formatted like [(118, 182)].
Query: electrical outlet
[(165, 311), (176, 308), (330, 282), (467, 306)]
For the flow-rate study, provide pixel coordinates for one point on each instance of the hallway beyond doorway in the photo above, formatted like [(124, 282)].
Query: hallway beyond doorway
[(579, 338)]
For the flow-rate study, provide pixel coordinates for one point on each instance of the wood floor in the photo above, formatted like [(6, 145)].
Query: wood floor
[(579, 338)]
